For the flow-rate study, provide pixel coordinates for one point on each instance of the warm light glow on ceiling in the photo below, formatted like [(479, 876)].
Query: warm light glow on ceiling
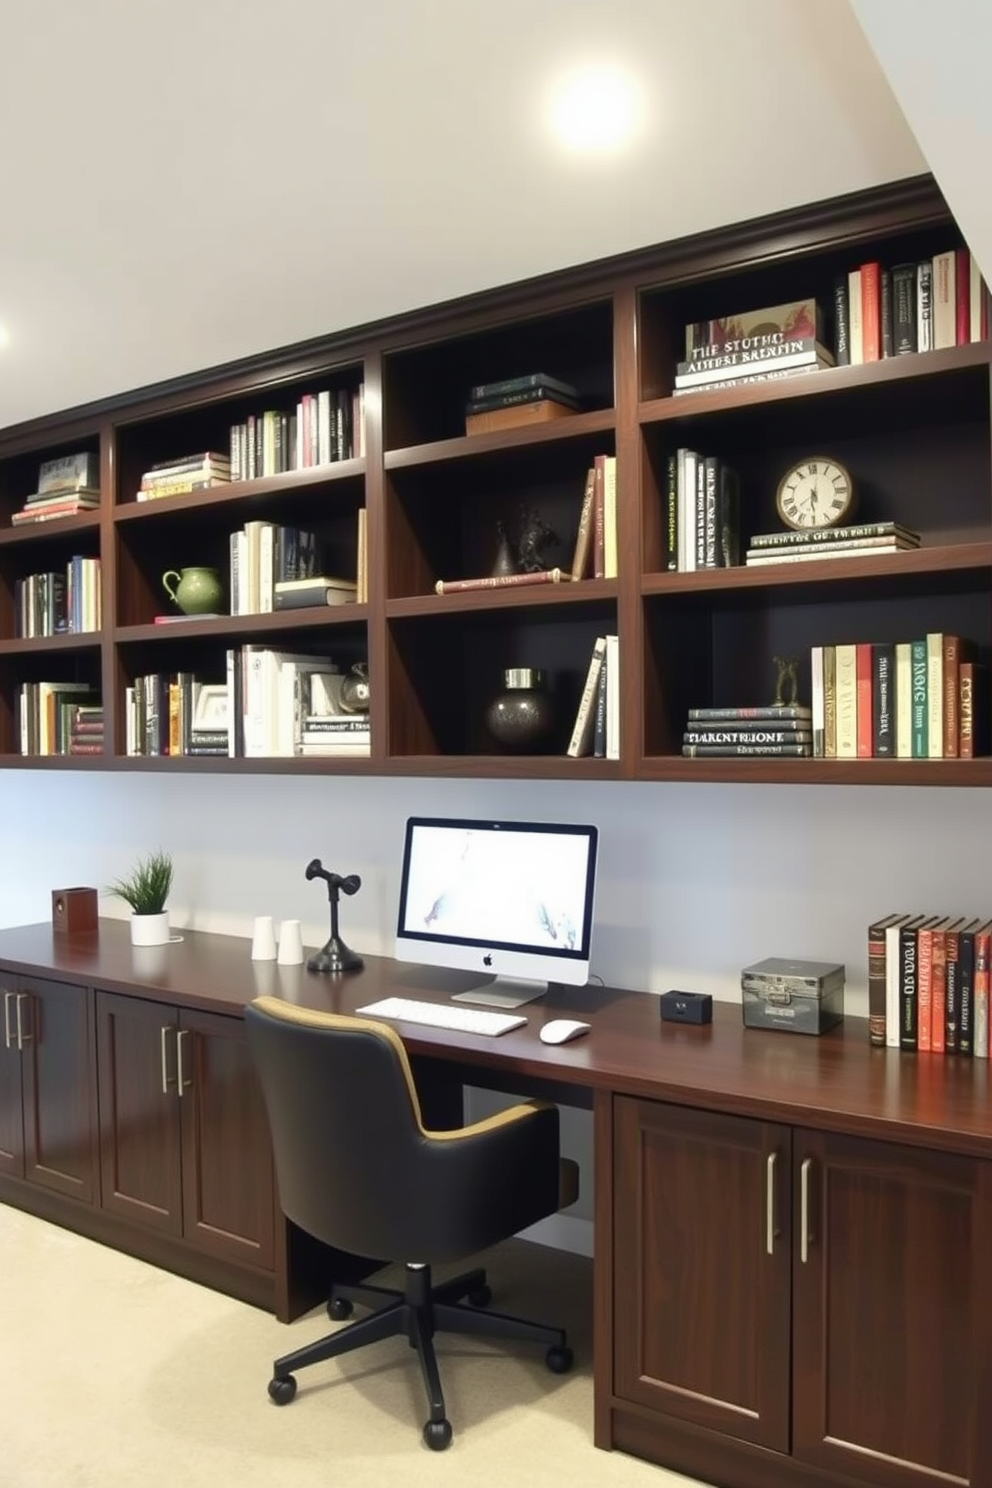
[(4, 337), (595, 110)]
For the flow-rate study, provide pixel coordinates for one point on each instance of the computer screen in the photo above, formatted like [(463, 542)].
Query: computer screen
[(506, 899)]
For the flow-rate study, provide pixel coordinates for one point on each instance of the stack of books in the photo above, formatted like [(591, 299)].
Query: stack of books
[(926, 305), (534, 398), (184, 474), (754, 346), (59, 603), (86, 728), (715, 733), (865, 539), (303, 594), (66, 487), (327, 730)]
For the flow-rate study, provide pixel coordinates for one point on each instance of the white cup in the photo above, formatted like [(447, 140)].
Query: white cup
[(290, 943), (263, 940)]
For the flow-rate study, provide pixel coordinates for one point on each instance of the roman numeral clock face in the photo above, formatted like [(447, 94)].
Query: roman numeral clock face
[(815, 492)]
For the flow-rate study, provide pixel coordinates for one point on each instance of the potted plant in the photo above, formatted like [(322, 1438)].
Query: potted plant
[(147, 890)]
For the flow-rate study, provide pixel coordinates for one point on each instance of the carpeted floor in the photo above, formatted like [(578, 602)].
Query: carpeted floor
[(114, 1374)]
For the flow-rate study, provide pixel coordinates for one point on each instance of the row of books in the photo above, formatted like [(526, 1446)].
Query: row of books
[(47, 716), (60, 602), (883, 312), (596, 730), (920, 699), (702, 513), (516, 401), (263, 555), (724, 733), (928, 984), (865, 539), (271, 704), (324, 427)]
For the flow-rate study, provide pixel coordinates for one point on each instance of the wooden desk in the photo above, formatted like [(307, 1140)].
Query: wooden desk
[(793, 1283)]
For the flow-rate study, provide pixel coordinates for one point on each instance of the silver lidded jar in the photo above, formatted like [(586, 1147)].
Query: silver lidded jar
[(521, 717)]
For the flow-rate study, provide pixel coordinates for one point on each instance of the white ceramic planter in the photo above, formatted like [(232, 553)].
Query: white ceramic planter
[(150, 929)]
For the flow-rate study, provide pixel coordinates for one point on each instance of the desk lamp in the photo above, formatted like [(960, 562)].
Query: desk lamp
[(335, 955)]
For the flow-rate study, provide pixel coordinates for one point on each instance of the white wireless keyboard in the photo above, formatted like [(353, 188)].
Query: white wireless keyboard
[(443, 1015)]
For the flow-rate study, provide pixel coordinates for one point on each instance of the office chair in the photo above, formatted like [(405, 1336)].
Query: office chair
[(357, 1170)]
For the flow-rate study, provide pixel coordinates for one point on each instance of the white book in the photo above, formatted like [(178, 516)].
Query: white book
[(935, 695), (856, 324), (904, 700), (266, 568), (847, 701), (612, 697), (585, 717), (610, 517), (892, 986), (687, 512), (944, 300), (816, 698), (130, 732)]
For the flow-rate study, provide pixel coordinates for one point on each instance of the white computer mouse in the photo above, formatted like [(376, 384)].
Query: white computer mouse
[(560, 1030)]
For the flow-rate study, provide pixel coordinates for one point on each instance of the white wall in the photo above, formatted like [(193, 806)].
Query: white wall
[(694, 881)]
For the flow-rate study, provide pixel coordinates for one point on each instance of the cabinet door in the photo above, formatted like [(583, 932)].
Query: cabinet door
[(58, 1087), (140, 1155), (702, 1242), (892, 1293), (228, 1193), (11, 1110)]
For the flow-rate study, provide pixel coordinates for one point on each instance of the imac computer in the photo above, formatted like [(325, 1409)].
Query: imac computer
[(510, 900)]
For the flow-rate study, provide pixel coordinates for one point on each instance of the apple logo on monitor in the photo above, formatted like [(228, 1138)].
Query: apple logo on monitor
[(487, 960)]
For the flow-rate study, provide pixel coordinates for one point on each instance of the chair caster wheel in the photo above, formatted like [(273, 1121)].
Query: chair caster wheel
[(339, 1308), (437, 1435), (481, 1297), (559, 1360), (282, 1389)]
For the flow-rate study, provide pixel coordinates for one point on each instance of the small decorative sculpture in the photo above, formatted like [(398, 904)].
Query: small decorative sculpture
[(506, 559), (535, 536), (335, 955), (786, 681)]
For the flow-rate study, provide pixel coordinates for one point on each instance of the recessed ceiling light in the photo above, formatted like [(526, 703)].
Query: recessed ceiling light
[(594, 110)]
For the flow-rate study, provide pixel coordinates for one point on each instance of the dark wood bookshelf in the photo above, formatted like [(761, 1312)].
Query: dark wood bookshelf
[(915, 430)]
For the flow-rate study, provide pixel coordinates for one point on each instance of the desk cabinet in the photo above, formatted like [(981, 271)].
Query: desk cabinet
[(47, 1090), (184, 1143), (818, 1299)]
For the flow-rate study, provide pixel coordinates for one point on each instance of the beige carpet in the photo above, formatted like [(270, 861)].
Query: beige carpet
[(114, 1374)]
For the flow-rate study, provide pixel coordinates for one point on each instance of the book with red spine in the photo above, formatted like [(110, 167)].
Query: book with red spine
[(962, 296), (983, 938), (871, 312), (924, 983), (865, 711)]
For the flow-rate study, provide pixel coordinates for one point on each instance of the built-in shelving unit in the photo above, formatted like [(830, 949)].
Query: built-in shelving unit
[(916, 432)]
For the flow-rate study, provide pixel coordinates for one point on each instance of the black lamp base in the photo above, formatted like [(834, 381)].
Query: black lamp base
[(335, 957)]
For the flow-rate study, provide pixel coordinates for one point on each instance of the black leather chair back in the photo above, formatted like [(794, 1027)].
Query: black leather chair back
[(354, 1165)]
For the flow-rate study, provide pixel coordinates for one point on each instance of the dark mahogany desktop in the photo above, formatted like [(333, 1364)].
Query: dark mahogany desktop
[(752, 1191)]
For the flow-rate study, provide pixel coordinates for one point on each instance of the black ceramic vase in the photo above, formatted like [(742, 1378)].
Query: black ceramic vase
[(522, 716)]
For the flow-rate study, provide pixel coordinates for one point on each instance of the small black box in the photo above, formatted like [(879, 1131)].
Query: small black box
[(686, 1007)]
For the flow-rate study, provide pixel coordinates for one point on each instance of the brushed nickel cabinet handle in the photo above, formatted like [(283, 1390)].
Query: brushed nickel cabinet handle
[(23, 1033), (804, 1173), (179, 1059), (770, 1231), (164, 1046), (7, 1037)]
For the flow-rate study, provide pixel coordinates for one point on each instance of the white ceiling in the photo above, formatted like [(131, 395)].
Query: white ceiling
[(185, 182)]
